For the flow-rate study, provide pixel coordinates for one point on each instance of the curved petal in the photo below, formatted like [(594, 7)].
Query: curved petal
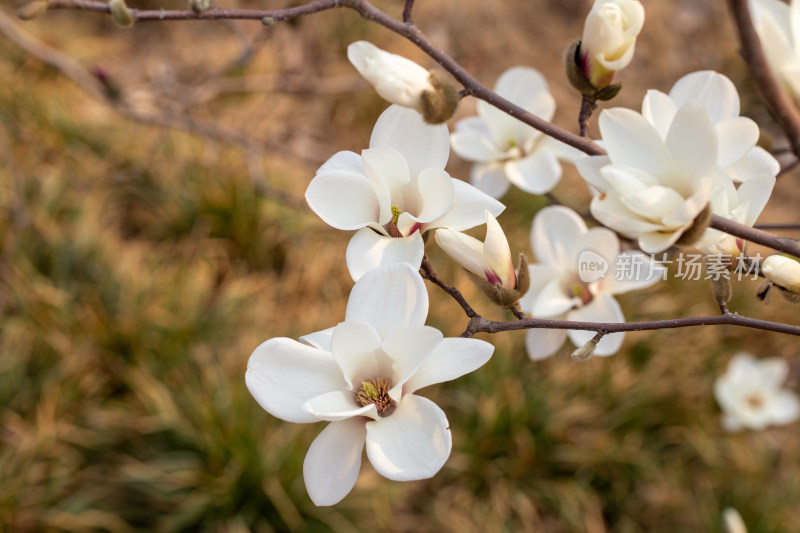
[(552, 301), (735, 137), (408, 348), (554, 229), (715, 93), (601, 241), (653, 203), (391, 298), (469, 208), (603, 308), (412, 443), (611, 212), (627, 180), (319, 339), (388, 174), (658, 109), (436, 195), (497, 253), (542, 343), (338, 405), (450, 359), (345, 161), (785, 408), (333, 461), (368, 250), (465, 250), (490, 178), (647, 273), (562, 151), (473, 141), (654, 242), (540, 276), (692, 141), (344, 200), (756, 162), (353, 345), (537, 173), (283, 374), (756, 192), (422, 145)]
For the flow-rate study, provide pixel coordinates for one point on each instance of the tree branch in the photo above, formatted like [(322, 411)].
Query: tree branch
[(431, 275), (782, 244)]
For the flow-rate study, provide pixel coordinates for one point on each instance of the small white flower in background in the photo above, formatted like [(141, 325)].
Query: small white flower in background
[(667, 169), (609, 38), (491, 259), (782, 271), (394, 191), (751, 396), (506, 150), (579, 270), (778, 30), (403, 82), (732, 521), (361, 376)]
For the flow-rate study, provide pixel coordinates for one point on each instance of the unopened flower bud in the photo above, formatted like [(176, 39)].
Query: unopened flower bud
[(609, 38), (121, 14), (198, 6), (782, 271), (403, 82), (721, 290), (584, 352), (693, 233), (31, 10)]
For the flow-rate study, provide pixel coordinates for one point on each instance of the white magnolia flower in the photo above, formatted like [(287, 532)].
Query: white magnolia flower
[(395, 78), (579, 270), (362, 375), (609, 38), (782, 271), (394, 191), (666, 165), (507, 150), (751, 396), (778, 28), (490, 260)]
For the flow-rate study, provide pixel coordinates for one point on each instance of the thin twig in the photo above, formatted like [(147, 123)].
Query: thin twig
[(407, 11), (587, 107), (777, 226), (783, 244)]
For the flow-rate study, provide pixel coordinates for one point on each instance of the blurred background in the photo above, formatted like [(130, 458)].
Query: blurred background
[(153, 232)]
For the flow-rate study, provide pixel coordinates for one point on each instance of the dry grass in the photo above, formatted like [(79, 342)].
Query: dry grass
[(140, 266)]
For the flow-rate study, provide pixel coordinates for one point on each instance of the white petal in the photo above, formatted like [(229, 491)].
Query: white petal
[(693, 205), (450, 359), (692, 141), (338, 405), (537, 174), (601, 241), (343, 161), (653, 203), (735, 137), (627, 180), (650, 272), (344, 200), (756, 162), (541, 276), (353, 345), (412, 443), (611, 212), (632, 141), (282, 374), (756, 192), (469, 208), (391, 298), (472, 141), (771, 372), (408, 348), (490, 179), (465, 250), (542, 343), (422, 145), (654, 242), (333, 461), (319, 339), (387, 171), (368, 250), (436, 194), (554, 229), (711, 90), (785, 409), (603, 308), (562, 151), (552, 301), (498, 253), (590, 169), (658, 109)]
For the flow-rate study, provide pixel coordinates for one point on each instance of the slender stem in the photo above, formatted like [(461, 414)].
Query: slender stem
[(431, 275), (783, 244), (775, 97), (407, 11), (587, 107)]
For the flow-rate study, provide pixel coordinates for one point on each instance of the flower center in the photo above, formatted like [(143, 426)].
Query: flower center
[(375, 391), (755, 401), (581, 291)]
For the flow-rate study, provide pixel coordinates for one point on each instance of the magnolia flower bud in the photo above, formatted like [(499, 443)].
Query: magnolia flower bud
[(782, 271), (721, 290), (403, 82), (584, 352), (121, 14), (609, 38), (198, 6)]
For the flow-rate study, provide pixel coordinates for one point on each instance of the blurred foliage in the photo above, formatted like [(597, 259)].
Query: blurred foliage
[(140, 266)]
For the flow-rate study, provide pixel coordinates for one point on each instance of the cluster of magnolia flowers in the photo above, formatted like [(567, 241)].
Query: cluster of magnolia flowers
[(686, 155)]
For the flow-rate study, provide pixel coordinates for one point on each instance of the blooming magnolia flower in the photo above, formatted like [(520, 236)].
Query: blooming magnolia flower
[(362, 375), (579, 270), (782, 271), (667, 165), (491, 260), (507, 150), (394, 191), (609, 38), (777, 26), (751, 396), (403, 82)]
